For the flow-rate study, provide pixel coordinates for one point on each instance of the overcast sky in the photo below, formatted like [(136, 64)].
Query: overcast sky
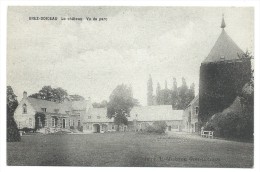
[(91, 58)]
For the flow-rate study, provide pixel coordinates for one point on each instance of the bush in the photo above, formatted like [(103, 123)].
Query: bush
[(27, 130), (72, 127), (157, 127), (80, 128), (231, 125), (13, 134)]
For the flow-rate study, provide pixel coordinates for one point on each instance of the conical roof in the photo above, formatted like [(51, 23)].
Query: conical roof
[(224, 49)]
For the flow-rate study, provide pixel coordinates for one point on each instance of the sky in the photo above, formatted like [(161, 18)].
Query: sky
[(91, 58)]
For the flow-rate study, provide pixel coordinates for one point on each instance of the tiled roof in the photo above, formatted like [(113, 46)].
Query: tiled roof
[(155, 113), (194, 100), (79, 105), (97, 115), (50, 106), (224, 48)]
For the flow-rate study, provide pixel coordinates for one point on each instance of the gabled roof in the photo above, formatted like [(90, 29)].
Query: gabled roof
[(224, 49), (155, 113), (50, 106), (79, 105), (98, 115), (194, 100)]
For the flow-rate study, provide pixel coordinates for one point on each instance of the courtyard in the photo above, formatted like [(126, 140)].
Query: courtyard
[(128, 150)]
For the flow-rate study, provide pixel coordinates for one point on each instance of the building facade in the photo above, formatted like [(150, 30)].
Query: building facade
[(143, 116), (190, 116), (48, 116)]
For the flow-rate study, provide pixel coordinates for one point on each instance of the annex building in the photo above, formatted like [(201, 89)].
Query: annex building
[(79, 115)]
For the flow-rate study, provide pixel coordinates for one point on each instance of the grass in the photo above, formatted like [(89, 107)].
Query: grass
[(128, 149)]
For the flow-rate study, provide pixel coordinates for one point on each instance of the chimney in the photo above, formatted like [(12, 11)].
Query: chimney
[(24, 95)]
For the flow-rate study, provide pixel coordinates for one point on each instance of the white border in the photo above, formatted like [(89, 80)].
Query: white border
[(3, 37)]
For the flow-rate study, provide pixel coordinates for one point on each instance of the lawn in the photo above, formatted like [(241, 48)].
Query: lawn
[(129, 149)]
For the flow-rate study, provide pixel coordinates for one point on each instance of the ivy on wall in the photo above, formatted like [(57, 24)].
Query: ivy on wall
[(220, 84)]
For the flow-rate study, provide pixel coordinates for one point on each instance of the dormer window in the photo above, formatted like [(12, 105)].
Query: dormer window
[(196, 110), (24, 108), (43, 109)]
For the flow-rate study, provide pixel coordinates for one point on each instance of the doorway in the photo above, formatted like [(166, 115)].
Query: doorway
[(96, 128), (63, 123)]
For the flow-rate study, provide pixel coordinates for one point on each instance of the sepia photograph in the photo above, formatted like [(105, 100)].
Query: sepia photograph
[(130, 86)]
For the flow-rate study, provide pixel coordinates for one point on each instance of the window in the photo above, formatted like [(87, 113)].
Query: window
[(56, 110), (196, 110), (30, 122), (24, 108), (98, 117), (53, 122), (89, 117), (69, 122), (78, 122), (44, 109), (113, 127)]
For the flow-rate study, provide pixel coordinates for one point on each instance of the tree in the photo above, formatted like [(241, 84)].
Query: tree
[(76, 97), (120, 103), (190, 94), (51, 94), (158, 97), (174, 96), (102, 104), (12, 103), (183, 90), (150, 91)]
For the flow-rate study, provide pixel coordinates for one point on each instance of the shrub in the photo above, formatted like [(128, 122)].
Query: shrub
[(231, 125), (157, 127), (13, 134), (72, 127), (27, 130), (80, 128)]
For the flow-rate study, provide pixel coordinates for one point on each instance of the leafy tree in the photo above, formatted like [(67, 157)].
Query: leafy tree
[(174, 95), (51, 94), (158, 96), (76, 97), (102, 104), (183, 91), (120, 103), (178, 97), (12, 103), (150, 91)]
